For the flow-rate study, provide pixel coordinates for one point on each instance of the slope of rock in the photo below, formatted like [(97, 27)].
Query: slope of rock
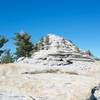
[(35, 82), (58, 51)]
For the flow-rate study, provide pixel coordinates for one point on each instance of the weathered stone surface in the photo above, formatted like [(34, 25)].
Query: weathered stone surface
[(59, 52), (35, 82)]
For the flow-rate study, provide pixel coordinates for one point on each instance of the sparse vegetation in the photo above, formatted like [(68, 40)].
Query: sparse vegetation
[(89, 53), (7, 57), (41, 43), (3, 40), (51, 70)]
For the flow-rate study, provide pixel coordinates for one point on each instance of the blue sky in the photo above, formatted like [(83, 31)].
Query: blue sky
[(77, 20)]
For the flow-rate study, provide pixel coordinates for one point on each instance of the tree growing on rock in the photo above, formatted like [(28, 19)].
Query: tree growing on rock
[(89, 53), (7, 57), (39, 45), (46, 40), (24, 45), (35, 48), (3, 40)]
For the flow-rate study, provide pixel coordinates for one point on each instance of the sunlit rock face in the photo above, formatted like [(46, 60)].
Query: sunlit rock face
[(58, 51), (58, 42)]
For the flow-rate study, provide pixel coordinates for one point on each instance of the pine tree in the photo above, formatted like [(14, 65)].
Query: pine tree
[(35, 48), (46, 40), (7, 57), (41, 43), (24, 45), (3, 40), (89, 53)]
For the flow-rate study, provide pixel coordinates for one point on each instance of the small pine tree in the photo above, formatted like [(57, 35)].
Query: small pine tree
[(77, 49), (3, 40), (46, 40), (24, 45), (89, 53), (41, 43), (7, 57), (35, 48)]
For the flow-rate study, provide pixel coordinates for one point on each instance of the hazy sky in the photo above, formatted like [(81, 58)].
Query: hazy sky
[(77, 20)]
